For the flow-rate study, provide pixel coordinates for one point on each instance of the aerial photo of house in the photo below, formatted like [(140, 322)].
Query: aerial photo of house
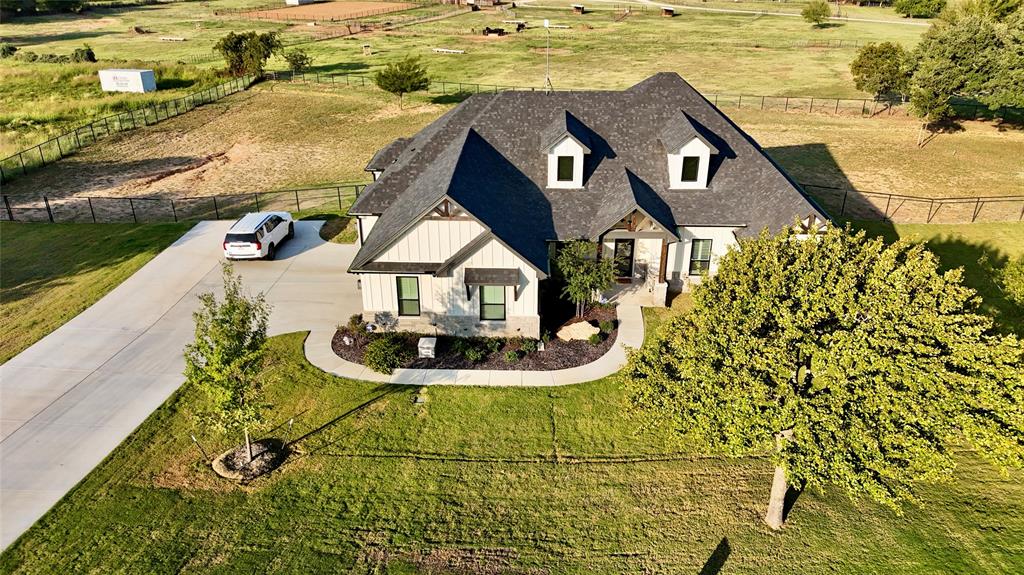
[(540, 287)]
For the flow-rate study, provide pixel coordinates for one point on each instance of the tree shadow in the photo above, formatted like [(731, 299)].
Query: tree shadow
[(174, 83), (382, 392), (815, 168), (947, 126), (828, 25), (717, 559), (26, 41), (340, 68), (792, 494)]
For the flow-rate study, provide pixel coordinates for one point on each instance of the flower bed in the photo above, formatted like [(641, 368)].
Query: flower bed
[(496, 353)]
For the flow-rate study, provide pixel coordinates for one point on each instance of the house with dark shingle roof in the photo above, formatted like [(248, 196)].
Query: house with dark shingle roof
[(456, 231)]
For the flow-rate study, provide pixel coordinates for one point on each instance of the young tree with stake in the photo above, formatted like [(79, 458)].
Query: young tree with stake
[(583, 274), (228, 352), (849, 362)]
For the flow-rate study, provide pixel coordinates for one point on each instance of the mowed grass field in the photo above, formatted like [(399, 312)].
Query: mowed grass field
[(729, 53), (280, 135), (480, 480), (52, 272)]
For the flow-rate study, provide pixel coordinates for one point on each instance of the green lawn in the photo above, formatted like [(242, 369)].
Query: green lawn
[(558, 480), (51, 272)]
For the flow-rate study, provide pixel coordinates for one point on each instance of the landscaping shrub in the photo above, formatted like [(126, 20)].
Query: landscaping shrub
[(494, 344), (7, 49), (385, 353), (511, 356), (606, 326), (595, 339), (545, 336), (528, 346), (473, 354), (356, 322)]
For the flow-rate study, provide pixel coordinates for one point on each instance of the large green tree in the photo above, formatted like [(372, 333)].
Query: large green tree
[(918, 8), (882, 69), (847, 361), (225, 359), (402, 77), (247, 52), (816, 12), (969, 53)]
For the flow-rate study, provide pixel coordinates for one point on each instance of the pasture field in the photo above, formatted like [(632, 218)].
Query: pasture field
[(289, 135), (729, 53), (790, 8), (39, 101)]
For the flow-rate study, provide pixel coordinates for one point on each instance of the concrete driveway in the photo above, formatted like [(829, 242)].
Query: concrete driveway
[(70, 399)]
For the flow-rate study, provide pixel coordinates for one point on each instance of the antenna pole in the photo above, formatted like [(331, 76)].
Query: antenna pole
[(547, 60)]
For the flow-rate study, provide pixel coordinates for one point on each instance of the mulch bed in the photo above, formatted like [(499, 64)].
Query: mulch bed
[(267, 455), (557, 354)]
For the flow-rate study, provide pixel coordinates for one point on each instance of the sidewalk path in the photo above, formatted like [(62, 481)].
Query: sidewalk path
[(70, 399), (631, 333)]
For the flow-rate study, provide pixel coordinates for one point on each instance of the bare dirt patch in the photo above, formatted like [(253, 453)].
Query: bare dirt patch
[(330, 11)]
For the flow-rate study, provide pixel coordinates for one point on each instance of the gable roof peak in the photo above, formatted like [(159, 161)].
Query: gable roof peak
[(565, 125), (680, 129)]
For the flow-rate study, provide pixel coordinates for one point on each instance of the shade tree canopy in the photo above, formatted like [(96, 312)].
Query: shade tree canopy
[(847, 361)]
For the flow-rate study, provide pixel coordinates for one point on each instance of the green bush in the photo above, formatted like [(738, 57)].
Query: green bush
[(83, 54), (545, 336), (1011, 279), (494, 344), (356, 322), (385, 353), (528, 346), (606, 326), (816, 12), (473, 354), (919, 8), (595, 339), (7, 49), (511, 356)]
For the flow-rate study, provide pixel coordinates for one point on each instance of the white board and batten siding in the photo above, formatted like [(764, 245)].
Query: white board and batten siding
[(447, 295), (722, 239), (127, 80), (432, 241)]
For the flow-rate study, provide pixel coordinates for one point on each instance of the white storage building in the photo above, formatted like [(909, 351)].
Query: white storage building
[(126, 80)]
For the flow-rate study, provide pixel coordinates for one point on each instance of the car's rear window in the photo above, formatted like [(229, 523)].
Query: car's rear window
[(248, 238)]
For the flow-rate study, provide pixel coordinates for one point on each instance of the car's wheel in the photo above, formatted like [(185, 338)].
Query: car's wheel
[(271, 251), (291, 231)]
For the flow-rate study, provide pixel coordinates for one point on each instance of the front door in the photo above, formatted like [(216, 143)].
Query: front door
[(624, 258)]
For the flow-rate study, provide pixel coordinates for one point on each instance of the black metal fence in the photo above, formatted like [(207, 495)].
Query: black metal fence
[(67, 143), (852, 204), (810, 104), (100, 209)]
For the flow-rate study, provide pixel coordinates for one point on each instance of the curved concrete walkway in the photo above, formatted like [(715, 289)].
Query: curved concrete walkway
[(631, 333)]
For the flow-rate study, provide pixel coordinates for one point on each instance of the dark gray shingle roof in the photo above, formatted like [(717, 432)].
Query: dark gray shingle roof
[(484, 155), (387, 155)]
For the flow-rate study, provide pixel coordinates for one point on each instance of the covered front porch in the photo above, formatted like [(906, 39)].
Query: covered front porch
[(639, 245)]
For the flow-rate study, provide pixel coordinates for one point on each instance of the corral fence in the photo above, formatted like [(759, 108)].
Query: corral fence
[(810, 104), (66, 144), (853, 204), (99, 209)]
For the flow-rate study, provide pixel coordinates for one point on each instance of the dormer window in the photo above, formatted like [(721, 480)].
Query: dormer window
[(691, 169), (688, 152), (565, 168), (566, 142)]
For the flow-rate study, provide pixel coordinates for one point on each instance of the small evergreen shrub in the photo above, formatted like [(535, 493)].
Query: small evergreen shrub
[(356, 322), (606, 326), (494, 344), (511, 356), (528, 346), (545, 336), (474, 354), (83, 54), (595, 339), (385, 353)]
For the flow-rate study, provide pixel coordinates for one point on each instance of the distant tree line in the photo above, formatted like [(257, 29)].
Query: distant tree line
[(26, 7)]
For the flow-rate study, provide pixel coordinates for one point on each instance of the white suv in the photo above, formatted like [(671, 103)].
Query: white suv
[(256, 236)]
